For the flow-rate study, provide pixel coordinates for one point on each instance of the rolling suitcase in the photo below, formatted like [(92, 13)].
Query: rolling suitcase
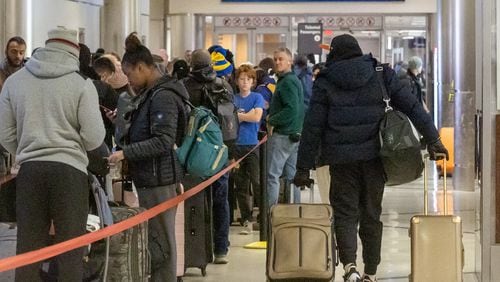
[(198, 246), (301, 244), (129, 259), (436, 243)]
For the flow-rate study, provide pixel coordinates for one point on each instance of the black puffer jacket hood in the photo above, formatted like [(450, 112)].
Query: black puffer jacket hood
[(352, 73)]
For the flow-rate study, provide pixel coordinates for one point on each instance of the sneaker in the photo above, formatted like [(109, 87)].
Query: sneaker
[(351, 274), (221, 259), (247, 228), (367, 278)]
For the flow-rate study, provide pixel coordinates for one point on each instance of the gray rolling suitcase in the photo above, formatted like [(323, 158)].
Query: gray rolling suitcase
[(129, 259), (126, 255), (436, 243)]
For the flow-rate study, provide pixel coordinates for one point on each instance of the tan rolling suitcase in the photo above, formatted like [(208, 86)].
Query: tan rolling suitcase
[(300, 242), (436, 243)]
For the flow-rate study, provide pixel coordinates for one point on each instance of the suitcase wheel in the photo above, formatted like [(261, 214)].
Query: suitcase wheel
[(204, 271), (179, 278)]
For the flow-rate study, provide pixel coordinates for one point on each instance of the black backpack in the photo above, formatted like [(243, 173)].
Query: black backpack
[(220, 100)]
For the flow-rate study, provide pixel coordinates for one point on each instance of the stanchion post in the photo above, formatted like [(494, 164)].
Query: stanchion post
[(263, 189)]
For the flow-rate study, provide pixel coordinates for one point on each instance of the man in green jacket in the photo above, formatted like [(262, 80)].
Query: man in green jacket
[(286, 115)]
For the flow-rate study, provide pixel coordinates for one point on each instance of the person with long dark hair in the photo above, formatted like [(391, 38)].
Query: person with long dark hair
[(156, 125)]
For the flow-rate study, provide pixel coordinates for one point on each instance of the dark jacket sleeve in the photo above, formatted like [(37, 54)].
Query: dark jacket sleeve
[(163, 115), (314, 125), (403, 100), (231, 144), (98, 165)]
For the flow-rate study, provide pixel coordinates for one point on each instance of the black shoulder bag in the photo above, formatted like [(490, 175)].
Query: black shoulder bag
[(400, 145)]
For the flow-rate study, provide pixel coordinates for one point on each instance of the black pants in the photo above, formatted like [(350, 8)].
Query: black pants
[(51, 191), (356, 193), (161, 232), (247, 173), (3, 161)]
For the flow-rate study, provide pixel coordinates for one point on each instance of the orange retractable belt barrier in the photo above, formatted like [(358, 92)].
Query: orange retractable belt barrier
[(54, 250)]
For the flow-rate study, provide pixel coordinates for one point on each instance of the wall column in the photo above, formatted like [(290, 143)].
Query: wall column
[(157, 37), (13, 22), (119, 19), (182, 33), (456, 27)]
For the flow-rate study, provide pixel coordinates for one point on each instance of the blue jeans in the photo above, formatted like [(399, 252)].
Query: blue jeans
[(281, 160), (220, 215)]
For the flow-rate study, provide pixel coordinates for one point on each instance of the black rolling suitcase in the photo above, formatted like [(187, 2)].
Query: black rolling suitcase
[(198, 251)]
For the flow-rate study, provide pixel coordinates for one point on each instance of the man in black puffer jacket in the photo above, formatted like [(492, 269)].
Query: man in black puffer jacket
[(344, 116), (203, 75)]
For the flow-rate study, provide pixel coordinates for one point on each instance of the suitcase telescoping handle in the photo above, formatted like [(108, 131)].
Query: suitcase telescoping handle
[(292, 194), (426, 188)]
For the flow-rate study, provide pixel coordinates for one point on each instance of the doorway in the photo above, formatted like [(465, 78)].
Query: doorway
[(251, 45)]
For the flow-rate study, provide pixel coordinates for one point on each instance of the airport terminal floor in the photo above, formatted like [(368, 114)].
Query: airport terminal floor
[(399, 205)]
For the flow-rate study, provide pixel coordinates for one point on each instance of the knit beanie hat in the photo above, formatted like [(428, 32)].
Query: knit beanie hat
[(222, 66), (64, 39), (414, 63), (344, 47), (200, 58)]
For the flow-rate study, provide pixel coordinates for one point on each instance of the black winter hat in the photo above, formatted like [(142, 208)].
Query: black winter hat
[(181, 69), (344, 47)]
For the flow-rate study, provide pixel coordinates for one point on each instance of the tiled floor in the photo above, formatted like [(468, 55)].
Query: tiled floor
[(400, 203)]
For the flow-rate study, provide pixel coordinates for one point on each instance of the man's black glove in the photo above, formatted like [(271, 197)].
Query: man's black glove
[(302, 178), (437, 148)]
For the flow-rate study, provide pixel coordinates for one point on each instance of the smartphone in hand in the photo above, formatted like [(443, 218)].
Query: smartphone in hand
[(105, 109)]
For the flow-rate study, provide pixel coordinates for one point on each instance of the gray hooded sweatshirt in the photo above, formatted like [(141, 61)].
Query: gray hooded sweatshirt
[(49, 112)]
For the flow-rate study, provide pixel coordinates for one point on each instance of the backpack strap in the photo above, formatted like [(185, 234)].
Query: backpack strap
[(184, 99), (379, 69)]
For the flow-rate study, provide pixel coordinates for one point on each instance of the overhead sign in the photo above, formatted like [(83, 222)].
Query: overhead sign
[(312, 1), (310, 36)]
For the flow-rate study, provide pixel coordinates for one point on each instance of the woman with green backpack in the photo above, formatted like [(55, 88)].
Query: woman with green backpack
[(156, 125)]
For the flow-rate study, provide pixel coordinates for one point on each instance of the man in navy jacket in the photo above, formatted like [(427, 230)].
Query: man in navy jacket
[(344, 116)]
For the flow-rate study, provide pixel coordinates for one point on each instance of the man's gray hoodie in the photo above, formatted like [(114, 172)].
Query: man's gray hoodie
[(49, 112)]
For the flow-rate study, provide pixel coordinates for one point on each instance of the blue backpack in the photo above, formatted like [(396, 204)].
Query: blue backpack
[(202, 152)]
